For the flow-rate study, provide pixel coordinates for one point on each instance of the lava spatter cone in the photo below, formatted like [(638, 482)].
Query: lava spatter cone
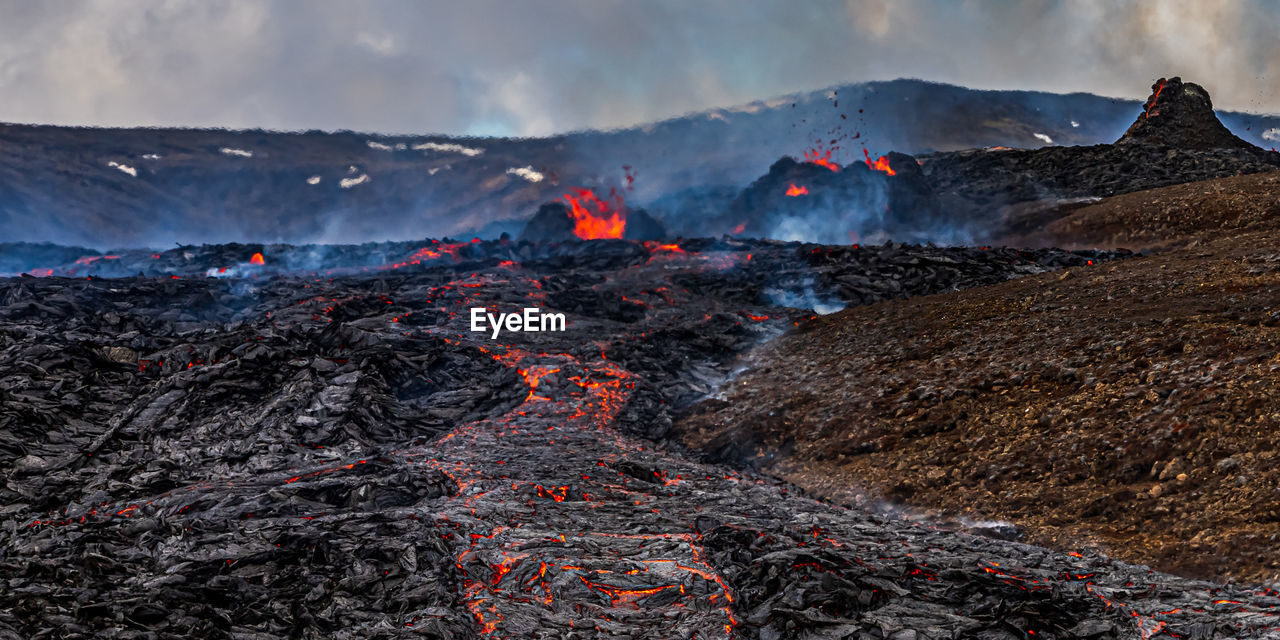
[(1180, 114)]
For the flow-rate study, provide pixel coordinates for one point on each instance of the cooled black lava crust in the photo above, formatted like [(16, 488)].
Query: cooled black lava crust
[(336, 455)]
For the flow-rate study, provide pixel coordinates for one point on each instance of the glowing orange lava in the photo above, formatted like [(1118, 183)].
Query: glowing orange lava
[(821, 157), (879, 164), (655, 247), (595, 219), (1146, 109), (257, 259), (794, 191)]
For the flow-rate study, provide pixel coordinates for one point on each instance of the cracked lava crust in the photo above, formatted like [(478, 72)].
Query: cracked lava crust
[(337, 456)]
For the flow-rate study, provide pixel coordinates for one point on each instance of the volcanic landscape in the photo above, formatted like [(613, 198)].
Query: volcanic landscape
[(260, 441)]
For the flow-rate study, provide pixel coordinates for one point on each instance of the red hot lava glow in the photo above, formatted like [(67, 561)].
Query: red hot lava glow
[(594, 218), (821, 157), (1146, 109), (879, 164), (257, 259), (794, 191), (655, 247)]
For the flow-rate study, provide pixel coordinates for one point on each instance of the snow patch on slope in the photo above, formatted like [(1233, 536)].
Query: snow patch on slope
[(378, 146), (347, 183), (527, 173), (123, 167), (448, 147)]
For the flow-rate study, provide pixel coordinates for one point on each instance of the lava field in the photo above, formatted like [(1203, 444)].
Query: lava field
[(335, 454)]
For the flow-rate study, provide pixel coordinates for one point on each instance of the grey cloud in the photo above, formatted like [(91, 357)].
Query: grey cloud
[(531, 68)]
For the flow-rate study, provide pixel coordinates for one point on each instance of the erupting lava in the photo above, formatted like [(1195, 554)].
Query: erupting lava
[(794, 191), (879, 164), (606, 221), (821, 157), (257, 259)]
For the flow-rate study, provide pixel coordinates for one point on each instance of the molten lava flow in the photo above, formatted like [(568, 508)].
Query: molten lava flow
[(655, 247), (604, 222), (879, 164), (1146, 109), (257, 259), (821, 157), (428, 253), (794, 191), (88, 260)]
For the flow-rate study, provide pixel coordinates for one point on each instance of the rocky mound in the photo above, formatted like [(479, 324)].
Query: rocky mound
[(826, 203), (1180, 115), (1128, 407)]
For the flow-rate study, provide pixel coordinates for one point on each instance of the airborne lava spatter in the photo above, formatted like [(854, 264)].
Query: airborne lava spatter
[(822, 157)]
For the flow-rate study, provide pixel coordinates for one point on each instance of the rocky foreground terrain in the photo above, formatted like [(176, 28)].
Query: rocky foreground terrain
[(273, 454), (1127, 408)]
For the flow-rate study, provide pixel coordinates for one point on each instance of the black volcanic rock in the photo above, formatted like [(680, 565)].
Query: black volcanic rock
[(1180, 115), (642, 226), (231, 458), (552, 223)]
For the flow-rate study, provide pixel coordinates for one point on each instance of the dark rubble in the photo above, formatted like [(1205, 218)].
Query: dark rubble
[(335, 455)]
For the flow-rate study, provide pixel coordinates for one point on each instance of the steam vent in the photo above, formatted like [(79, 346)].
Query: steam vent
[(1180, 115)]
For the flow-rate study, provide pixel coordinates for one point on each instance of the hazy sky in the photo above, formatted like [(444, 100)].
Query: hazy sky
[(532, 67)]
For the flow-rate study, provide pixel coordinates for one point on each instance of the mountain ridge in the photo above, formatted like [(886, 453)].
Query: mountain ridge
[(152, 187)]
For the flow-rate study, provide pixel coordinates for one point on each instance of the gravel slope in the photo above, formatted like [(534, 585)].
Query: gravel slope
[(1128, 407)]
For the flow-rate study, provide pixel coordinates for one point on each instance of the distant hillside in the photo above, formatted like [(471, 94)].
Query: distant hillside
[(153, 187)]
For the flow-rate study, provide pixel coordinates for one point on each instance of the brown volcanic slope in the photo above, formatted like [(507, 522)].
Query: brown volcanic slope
[(1158, 218), (1133, 406)]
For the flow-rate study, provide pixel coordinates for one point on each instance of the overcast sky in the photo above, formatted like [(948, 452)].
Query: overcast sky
[(533, 67)]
